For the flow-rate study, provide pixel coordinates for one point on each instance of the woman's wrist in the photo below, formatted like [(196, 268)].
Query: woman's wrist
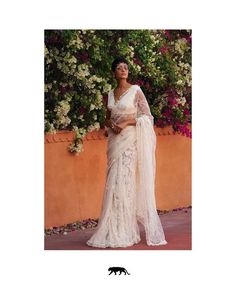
[(131, 122), (112, 125), (109, 123)]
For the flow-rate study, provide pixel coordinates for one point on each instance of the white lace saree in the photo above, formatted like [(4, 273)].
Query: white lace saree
[(129, 193)]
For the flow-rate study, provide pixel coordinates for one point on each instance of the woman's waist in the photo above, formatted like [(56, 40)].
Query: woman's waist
[(128, 130), (122, 116)]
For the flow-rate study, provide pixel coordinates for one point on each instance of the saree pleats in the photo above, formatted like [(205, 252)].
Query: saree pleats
[(117, 226)]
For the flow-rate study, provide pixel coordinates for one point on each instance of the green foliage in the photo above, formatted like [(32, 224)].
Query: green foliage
[(78, 76)]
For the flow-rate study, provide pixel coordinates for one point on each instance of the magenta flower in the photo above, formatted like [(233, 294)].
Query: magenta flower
[(159, 123), (184, 129), (82, 57), (167, 113), (64, 89), (167, 34), (172, 101), (163, 49), (138, 61), (82, 110), (189, 39), (140, 82), (186, 112)]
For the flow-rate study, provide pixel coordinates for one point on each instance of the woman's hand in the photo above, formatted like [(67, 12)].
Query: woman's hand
[(123, 124), (106, 133), (116, 128), (108, 123)]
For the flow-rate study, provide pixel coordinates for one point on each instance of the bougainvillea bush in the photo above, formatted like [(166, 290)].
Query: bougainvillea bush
[(78, 77)]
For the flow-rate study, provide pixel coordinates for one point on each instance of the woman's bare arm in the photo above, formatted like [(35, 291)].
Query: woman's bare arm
[(108, 118), (109, 123), (132, 122)]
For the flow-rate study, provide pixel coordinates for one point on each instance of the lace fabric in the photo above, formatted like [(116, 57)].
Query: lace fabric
[(146, 203), (142, 105), (129, 194), (117, 225), (120, 118)]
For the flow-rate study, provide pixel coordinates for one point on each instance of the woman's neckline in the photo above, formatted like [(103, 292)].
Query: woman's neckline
[(121, 94)]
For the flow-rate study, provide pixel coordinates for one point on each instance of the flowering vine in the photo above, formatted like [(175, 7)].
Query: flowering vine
[(78, 77)]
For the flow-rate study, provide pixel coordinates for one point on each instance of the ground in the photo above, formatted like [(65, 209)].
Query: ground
[(176, 224)]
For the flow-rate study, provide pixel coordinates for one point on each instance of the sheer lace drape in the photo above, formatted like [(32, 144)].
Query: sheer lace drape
[(145, 197), (118, 118), (142, 105)]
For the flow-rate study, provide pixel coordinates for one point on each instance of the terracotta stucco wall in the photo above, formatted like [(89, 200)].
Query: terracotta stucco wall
[(74, 184)]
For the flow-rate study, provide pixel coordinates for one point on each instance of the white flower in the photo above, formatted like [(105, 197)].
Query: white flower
[(97, 126), (183, 100), (51, 128), (90, 128), (179, 82), (95, 117), (61, 114), (46, 50), (92, 107)]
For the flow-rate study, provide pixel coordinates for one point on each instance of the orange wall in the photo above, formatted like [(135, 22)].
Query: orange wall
[(74, 184)]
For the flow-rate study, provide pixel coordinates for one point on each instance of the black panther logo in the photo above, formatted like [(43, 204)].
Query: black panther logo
[(115, 269)]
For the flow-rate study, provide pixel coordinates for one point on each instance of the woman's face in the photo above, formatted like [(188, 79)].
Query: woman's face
[(121, 71)]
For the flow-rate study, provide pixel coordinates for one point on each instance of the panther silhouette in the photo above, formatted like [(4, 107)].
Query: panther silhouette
[(115, 269)]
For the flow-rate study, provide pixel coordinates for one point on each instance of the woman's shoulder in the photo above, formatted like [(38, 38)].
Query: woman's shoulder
[(136, 86)]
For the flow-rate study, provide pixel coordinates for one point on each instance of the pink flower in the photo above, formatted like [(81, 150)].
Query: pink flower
[(172, 101), (82, 56), (167, 113), (189, 39), (64, 89), (138, 61), (186, 112), (140, 82), (159, 123), (184, 129), (167, 34), (82, 110), (163, 49)]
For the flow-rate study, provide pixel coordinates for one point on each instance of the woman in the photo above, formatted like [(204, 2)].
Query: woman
[(129, 194)]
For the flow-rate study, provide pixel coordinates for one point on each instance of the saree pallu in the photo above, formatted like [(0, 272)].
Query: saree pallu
[(146, 203)]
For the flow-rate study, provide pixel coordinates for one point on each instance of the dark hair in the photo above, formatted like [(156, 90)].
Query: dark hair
[(118, 60)]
